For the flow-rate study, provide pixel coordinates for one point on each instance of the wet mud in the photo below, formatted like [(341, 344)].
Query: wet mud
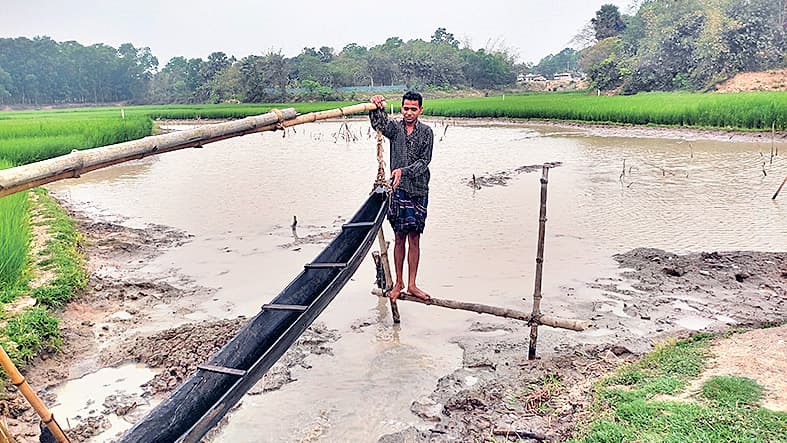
[(499, 394), (101, 329), (501, 178)]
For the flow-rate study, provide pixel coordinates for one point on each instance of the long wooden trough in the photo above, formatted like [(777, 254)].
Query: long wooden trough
[(205, 397)]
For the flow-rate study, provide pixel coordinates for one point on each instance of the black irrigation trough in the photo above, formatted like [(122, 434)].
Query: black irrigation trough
[(216, 386)]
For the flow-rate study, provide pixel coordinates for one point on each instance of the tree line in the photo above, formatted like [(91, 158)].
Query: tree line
[(41, 70), (682, 44), (666, 45)]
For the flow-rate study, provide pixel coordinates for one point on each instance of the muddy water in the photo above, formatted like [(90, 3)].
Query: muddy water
[(238, 198)]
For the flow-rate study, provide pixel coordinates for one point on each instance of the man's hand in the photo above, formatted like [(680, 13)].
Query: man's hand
[(379, 101), (396, 175)]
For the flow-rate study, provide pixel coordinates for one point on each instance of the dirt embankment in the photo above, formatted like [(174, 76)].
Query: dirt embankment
[(772, 80)]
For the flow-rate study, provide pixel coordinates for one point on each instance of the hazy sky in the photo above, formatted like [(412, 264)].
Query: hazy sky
[(531, 29)]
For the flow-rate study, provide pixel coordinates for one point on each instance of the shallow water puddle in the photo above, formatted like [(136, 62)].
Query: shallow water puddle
[(103, 393)]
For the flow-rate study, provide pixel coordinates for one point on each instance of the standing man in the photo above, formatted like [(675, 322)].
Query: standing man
[(411, 152)]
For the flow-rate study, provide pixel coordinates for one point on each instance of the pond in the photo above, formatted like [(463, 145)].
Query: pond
[(610, 194)]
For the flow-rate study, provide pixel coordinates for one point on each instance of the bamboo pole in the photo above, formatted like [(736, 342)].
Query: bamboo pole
[(76, 163), (387, 269), (780, 189), (547, 320), (322, 115), (542, 221), (19, 381), (5, 435)]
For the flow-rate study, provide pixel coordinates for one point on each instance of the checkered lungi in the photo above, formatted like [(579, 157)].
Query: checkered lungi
[(407, 213)]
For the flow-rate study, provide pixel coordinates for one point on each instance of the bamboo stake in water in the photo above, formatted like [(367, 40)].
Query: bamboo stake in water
[(542, 221), (387, 269), (32, 398)]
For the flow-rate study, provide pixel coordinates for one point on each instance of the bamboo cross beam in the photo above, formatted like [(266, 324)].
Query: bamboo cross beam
[(72, 165), (546, 320)]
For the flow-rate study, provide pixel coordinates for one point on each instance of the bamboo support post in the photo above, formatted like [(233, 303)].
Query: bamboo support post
[(542, 221), (387, 268), (19, 381), (547, 320), (72, 165)]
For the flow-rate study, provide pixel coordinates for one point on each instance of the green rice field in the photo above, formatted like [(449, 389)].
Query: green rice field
[(14, 236), (745, 111)]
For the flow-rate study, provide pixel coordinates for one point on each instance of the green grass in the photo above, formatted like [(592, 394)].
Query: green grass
[(14, 238), (35, 329), (61, 254), (748, 111), (34, 139), (630, 406), (24, 336), (732, 391)]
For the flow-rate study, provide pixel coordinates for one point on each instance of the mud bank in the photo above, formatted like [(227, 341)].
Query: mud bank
[(499, 393), (496, 392), (110, 325)]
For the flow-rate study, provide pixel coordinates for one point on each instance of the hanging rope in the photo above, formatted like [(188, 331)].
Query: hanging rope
[(381, 180)]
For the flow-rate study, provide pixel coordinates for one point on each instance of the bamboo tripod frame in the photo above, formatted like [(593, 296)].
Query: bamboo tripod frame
[(19, 381), (535, 318)]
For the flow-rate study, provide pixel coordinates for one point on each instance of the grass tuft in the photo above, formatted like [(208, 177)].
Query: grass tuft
[(24, 336), (62, 253), (626, 409), (732, 391)]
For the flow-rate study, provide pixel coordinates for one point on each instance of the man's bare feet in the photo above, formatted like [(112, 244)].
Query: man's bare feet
[(416, 292), (393, 294)]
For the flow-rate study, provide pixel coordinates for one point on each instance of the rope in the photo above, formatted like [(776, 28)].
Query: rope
[(279, 124), (381, 181)]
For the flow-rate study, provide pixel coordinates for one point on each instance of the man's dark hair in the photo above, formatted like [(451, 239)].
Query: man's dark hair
[(412, 95)]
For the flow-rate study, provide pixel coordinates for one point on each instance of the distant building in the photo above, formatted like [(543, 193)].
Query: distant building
[(564, 76), (527, 78)]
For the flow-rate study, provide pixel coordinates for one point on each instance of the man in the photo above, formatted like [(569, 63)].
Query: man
[(411, 152)]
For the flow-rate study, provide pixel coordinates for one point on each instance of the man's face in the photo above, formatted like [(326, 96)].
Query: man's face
[(411, 111)]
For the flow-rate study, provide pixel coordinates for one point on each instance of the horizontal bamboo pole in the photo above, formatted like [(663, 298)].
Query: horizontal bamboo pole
[(76, 163), (322, 115), (547, 320), (19, 381)]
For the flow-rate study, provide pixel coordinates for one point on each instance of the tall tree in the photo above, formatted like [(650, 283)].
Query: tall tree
[(608, 22), (441, 36)]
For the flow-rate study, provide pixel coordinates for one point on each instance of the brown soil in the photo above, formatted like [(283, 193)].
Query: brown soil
[(773, 80), (757, 355)]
